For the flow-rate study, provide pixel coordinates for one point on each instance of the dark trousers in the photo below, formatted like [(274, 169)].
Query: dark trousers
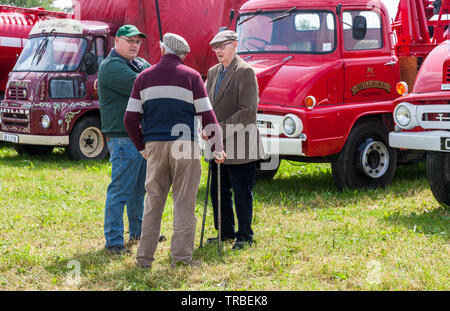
[(239, 180)]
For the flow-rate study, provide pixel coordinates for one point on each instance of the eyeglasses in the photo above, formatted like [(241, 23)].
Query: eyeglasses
[(220, 47), (131, 41)]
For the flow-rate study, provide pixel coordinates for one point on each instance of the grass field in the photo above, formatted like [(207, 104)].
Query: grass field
[(309, 235)]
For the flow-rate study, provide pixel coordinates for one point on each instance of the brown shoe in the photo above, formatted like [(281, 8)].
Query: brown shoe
[(131, 243)]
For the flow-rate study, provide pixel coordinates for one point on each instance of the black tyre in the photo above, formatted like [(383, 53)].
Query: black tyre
[(366, 160), (266, 170), (87, 140), (438, 173), (33, 150)]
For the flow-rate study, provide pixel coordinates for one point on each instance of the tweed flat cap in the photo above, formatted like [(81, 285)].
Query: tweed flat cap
[(223, 36), (176, 43)]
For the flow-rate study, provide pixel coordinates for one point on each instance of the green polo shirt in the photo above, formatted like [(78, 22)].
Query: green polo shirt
[(116, 77)]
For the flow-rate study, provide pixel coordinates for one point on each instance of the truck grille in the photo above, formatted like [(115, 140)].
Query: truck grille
[(447, 74), (17, 93), (434, 116), (15, 120)]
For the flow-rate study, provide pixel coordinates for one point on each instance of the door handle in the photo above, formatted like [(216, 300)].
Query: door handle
[(391, 63)]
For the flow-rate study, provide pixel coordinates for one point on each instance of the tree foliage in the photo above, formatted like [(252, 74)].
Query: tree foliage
[(46, 4)]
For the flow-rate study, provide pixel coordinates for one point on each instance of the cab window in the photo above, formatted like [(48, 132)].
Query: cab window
[(374, 36)]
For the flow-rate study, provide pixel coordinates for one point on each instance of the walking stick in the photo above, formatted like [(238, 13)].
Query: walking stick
[(208, 180), (219, 209)]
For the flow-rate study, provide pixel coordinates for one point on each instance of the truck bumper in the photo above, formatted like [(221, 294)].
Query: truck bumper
[(430, 140), (282, 146), (34, 139)]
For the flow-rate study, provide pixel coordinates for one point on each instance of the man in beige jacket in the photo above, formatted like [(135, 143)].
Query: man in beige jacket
[(233, 91)]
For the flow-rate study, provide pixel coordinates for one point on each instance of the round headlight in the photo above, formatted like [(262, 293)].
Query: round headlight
[(45, 121), (402, 115), (289, 126)]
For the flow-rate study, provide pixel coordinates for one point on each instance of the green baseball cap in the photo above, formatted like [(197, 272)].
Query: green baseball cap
[(129, 31)]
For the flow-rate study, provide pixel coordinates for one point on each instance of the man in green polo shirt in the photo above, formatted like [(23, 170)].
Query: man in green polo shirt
[(116, 77)]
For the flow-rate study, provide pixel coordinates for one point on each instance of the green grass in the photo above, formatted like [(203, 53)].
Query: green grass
[(309, 235)]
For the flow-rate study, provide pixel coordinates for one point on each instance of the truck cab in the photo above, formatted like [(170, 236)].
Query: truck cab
[(422, 120), (50, 98), (327, 72)]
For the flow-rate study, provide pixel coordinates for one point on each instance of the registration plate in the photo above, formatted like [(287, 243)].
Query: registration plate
[(10, 138), (445, 143)]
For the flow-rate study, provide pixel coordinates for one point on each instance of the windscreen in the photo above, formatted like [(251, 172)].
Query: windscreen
[(51, 53), (296, 31)]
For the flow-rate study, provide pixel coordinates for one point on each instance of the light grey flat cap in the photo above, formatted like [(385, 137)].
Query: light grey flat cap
[(176, 43), (223, 36)]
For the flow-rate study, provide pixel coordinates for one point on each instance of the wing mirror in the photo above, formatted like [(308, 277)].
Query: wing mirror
[(91, 63), (359, 27)]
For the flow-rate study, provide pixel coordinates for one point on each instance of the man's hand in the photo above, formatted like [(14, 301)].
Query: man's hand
[(219, 157), (144, 154), (204, 136)]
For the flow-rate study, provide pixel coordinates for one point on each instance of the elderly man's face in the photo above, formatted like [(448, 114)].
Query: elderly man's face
[(225, 52), (128, 47)]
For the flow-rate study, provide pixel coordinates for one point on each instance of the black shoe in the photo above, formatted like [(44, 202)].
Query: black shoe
[(241, 245), (162, 238), (214, 240), (117, 250)]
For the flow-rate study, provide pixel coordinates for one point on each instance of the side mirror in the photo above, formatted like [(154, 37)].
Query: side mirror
[(90, 62), (231, 21), (339, 9), (359, 27)]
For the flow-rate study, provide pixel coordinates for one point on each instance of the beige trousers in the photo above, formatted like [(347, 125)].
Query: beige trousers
[(169, 165)]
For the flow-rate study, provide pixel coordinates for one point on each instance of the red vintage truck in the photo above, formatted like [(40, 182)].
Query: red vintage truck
[(51, 97), (327, 73), (422, 120), (15, 25)]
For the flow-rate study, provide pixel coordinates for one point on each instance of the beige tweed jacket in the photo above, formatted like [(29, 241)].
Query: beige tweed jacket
[(235, 106)]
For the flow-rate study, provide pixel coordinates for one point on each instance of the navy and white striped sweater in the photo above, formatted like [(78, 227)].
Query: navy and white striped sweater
[(166, 95)]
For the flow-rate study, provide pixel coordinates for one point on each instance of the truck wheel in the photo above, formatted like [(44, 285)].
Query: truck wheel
[(87, 141), (266, 173), (438, 173), (33, 150), (366, 160)]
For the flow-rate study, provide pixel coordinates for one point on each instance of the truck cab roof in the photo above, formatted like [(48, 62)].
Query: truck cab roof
[(70, 27), (283, 4)]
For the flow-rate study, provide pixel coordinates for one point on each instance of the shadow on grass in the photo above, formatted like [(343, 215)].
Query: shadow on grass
[(311, 189), (434, 222), (58, 159), (115, 272)]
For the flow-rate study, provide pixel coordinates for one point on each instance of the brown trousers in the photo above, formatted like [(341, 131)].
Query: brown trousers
[(165, 168)]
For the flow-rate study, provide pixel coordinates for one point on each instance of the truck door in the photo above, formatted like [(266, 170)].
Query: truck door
[(370, 68)]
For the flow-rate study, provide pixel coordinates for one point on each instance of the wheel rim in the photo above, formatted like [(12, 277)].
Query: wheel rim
[(374, 159), (91, 142)]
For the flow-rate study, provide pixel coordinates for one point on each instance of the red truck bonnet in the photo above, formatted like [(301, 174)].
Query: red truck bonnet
[(435, 70), (196, 20)]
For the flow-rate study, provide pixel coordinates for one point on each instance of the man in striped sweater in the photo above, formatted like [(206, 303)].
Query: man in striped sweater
[(168, 97)]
